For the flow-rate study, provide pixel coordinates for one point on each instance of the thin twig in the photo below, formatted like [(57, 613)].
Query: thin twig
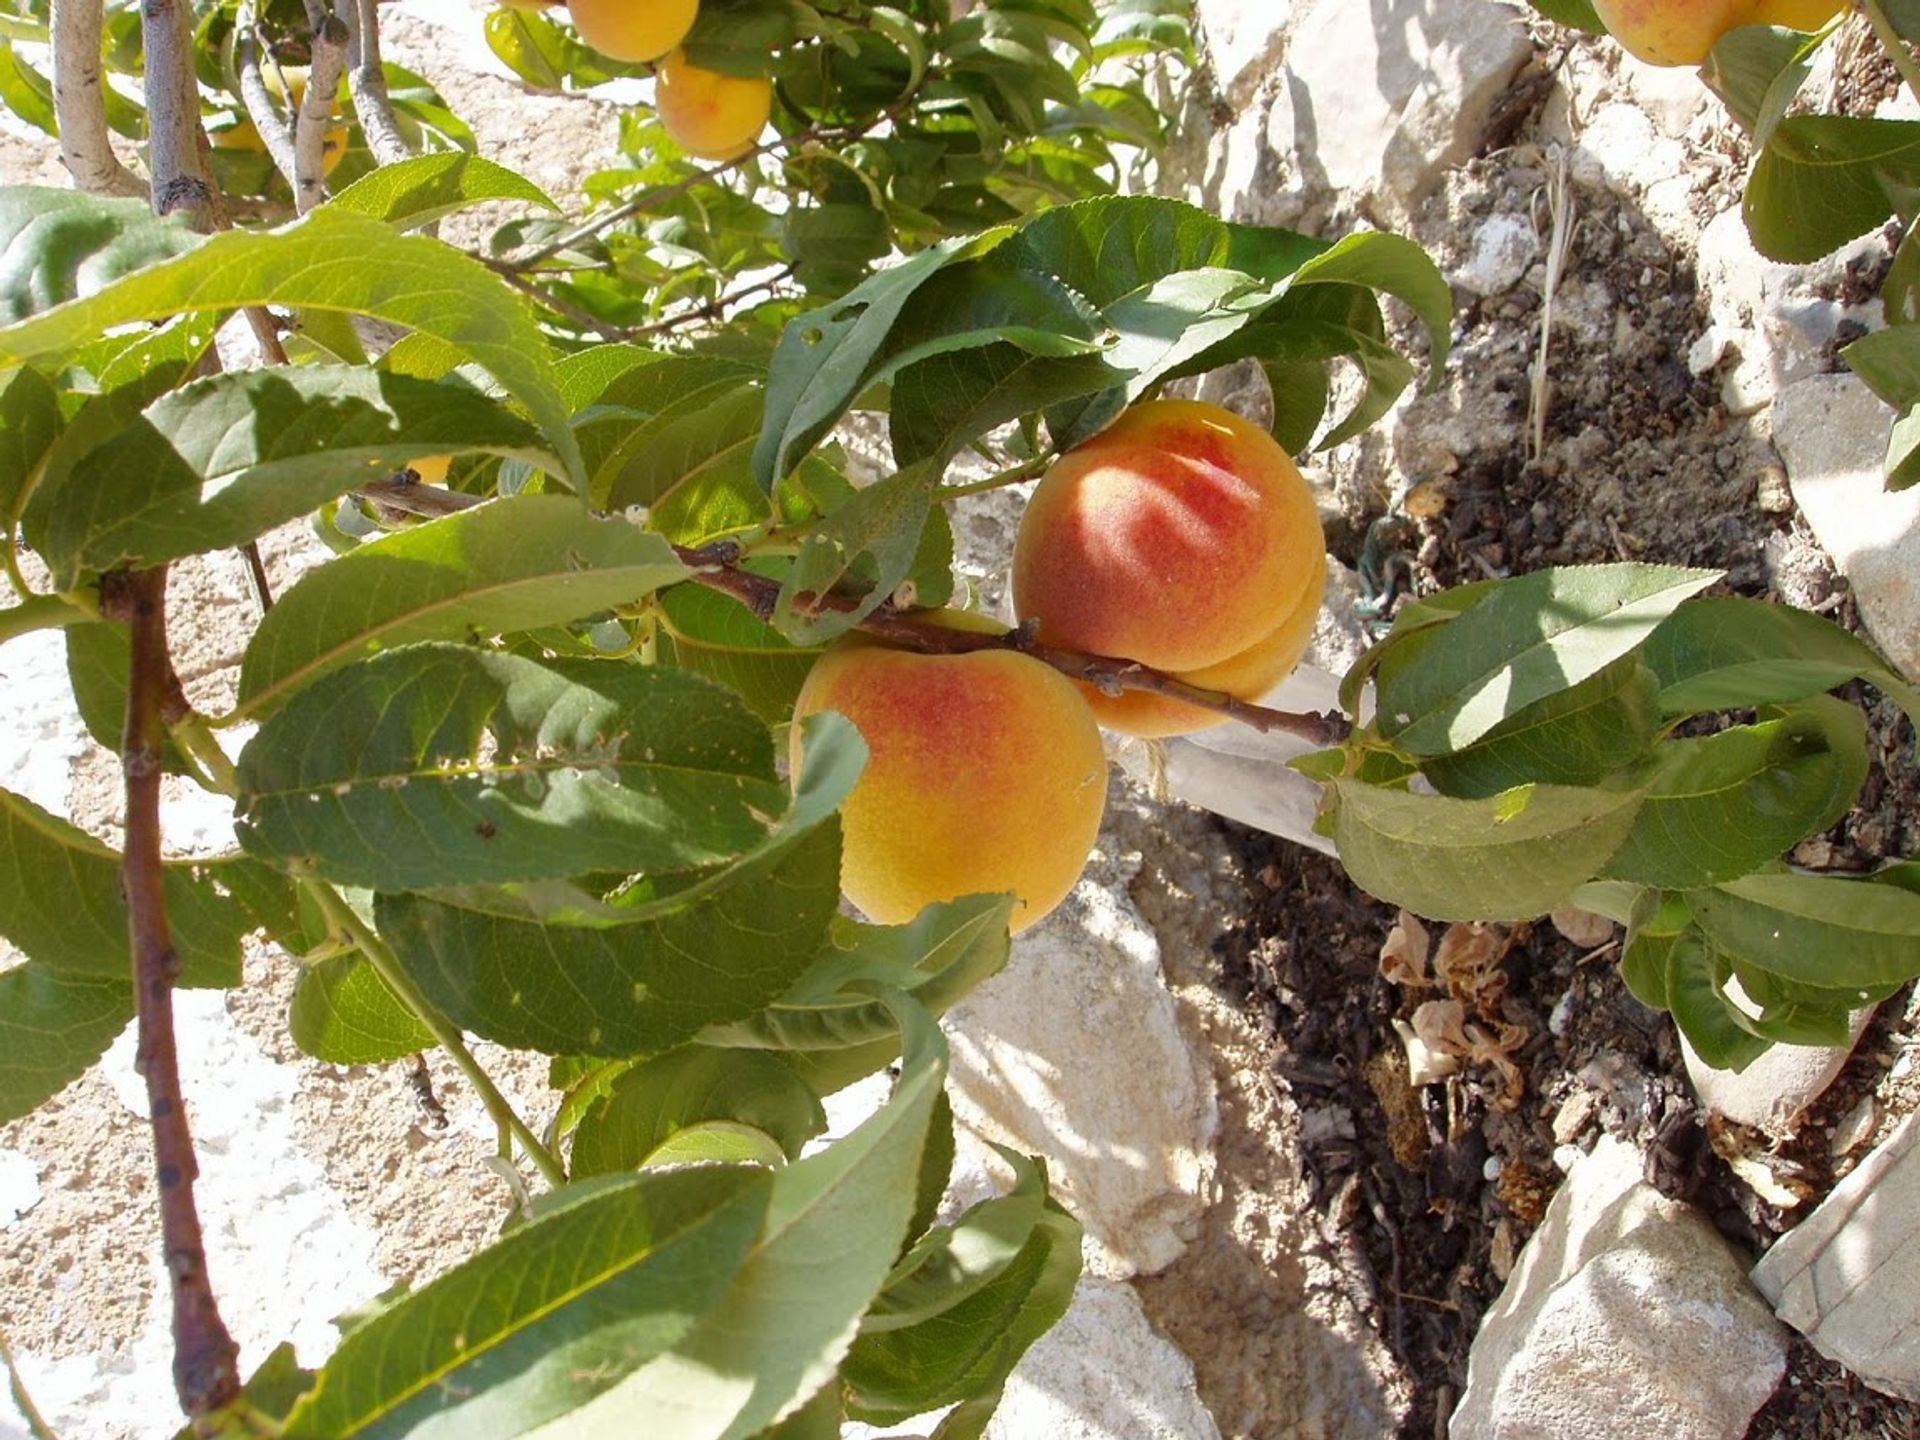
[(717, 568), (1560, 206), (205, 1358), (274, 131), (79, 101), (1895, 47), (37, 1425), (367, 82), (387, 966), (567, 309), (714, 309)]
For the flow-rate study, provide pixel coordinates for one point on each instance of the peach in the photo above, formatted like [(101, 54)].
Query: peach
[(1797, 14), (243, 135), (986, 776), (1181, 537), (1684, 32), (710, 115), (636, 31)]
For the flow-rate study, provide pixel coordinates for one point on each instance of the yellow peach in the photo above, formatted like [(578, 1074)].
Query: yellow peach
[(1797, 14), (1181, 537), (710, 115), (636, 31), (986, 776), (1670, 32)]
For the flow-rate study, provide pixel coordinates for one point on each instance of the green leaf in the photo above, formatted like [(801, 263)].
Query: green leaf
[(223, 460), (30, 421), (374, 774), (1643, 966), (1525, 639), (1889, 361), (716, 636), (1826, 179), (1510, 857), (938, 958), (60, 902), (1696, 993), (330, 260), (1578, 13), (1756, 70), (560, 1310), (1818, 930), (694, 1085), (344, 1013), (1721, 806), (1726, 653), (882, 525), (516, 563), (430, 187), (832, 1232), (99, 664), (1577, 736), (61, 245), (53, 1025)]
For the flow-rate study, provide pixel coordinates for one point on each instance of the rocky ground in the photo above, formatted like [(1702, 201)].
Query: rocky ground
[(1287, 1239)]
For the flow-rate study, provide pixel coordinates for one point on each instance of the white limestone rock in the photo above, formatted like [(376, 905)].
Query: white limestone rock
[(1387, 107), (1848, 1276), (1774, 1091), (1240, 39), (1075, 1052), (1831, 432), (1626, 1317), (1103, 1373)]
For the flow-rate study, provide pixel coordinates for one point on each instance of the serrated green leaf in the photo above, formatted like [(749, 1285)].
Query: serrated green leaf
[(329, 260), (1823, 180), (1726, 653), (221, 461), (1823, 931), (938, 957), (1525, 638), (716, 636), (345, 1014), (1578, 13), (1643, 966), (877, 532), (832, 1232), (53, 1025), (1721, 806), (516, 563), (694, 1085), (30, 421), (61, 245), (1510, 857), (60, 902), (426, 188), (1577, 736), (560, 1310), (374, 775)]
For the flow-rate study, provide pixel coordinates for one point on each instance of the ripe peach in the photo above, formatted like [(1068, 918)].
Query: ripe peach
[(1797, 14), (1181, 537), (1684, 32), (986, 776), (710, 115), (636, 31)]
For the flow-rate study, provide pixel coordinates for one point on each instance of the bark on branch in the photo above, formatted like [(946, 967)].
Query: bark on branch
[(315, 118), (367, 82), (79, 102), (176, 144), (205, 1359)]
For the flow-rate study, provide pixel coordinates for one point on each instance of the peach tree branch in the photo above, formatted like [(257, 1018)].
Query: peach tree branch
[(79, 105)]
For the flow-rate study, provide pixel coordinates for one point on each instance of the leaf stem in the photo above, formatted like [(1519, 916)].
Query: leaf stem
[(1891, 42), (39, 612), (205, 1358), (37, 1425), (1012, 475), (387, 966)]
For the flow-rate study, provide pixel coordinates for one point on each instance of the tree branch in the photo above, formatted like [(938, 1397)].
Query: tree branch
[(79, 105), (367, 82), (315, 112), (273, 129), (176, 144), (206, 1373)]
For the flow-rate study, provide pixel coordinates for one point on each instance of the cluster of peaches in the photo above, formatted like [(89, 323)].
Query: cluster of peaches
[(1181, 538), (709, 115), (1684, 32)]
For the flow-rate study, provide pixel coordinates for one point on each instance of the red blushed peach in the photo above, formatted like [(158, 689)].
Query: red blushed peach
[(1181, 537), (986, 776), (709, 115)]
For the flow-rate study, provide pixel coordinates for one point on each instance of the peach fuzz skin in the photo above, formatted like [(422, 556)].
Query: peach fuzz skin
[(630, 31), (1181, 537), (986, 776), (1684, 32), (709, 115)]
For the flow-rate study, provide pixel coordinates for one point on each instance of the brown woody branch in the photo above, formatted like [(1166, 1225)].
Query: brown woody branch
[(205, 1358)]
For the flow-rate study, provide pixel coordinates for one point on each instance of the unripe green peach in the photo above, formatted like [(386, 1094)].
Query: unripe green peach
[(710, 115), (986, 776), (1184, 538), (637, 31)]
